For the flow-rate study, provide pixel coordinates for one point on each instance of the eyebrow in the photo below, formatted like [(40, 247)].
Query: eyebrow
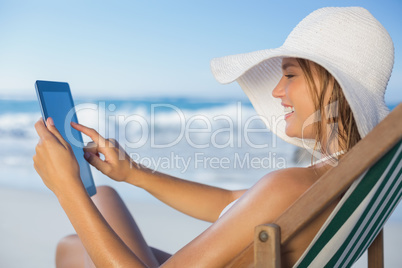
[(287, 65)]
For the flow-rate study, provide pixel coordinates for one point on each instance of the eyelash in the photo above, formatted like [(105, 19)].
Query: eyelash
[(289, 76)]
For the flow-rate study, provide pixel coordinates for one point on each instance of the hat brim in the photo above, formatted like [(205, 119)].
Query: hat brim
[(228, 69), (257, 74)]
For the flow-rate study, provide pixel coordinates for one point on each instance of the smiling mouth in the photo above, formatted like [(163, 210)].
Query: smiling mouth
[(289, 110)]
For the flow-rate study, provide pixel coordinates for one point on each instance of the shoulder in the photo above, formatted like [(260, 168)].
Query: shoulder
[(289, 178), (286, 185), (275, 192)]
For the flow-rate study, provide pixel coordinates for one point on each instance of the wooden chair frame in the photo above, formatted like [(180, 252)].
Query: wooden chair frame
[(265, 251)]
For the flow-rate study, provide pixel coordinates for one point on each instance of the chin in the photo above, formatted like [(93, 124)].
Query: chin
[(292, 133), (299, 132)]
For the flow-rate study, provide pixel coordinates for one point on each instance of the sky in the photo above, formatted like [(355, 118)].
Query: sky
[(135, 49)]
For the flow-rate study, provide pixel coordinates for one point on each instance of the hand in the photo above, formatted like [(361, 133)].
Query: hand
[(117, 164), (54, 159)]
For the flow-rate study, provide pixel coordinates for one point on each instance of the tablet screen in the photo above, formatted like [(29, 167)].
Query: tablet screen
[(59, 106)]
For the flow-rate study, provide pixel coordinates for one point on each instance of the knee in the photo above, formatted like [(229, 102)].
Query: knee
[(69, 252), (105, 190), (104, 195), (67, 243)]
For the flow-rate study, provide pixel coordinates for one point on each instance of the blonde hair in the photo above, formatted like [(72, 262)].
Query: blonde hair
[(332, 113)]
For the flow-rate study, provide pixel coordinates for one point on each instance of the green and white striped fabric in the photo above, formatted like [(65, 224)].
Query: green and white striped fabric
[(359, 216)]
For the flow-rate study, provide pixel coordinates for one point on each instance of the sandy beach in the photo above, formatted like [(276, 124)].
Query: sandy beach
[(32, 222)]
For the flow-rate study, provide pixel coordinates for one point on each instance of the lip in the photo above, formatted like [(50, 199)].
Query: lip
[(286, 105), (288, 115)]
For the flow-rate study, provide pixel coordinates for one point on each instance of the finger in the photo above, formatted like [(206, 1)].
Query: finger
[(91, 147), (90, 132), (36, 168), (96, 162), (112, 143), (91, 144), (52, 128), (42, 130), (35, 161)]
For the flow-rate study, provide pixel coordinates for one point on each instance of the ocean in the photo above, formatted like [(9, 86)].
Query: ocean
[(220, 143)]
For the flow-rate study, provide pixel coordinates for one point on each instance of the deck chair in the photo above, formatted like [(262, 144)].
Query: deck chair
[(370, 177)]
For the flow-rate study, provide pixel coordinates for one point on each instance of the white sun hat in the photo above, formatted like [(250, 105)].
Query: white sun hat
[(347, 41)]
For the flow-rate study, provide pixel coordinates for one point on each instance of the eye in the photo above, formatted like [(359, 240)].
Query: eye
[(289, 76)]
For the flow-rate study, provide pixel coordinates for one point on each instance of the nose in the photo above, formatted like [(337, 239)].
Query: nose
[(279, 90)]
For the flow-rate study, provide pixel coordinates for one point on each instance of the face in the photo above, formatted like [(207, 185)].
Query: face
[(296, 99)]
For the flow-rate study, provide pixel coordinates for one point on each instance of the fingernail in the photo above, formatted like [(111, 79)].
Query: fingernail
[(73, 123), (87, 155), (51, 122)]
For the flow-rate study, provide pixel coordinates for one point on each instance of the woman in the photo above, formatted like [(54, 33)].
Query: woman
[(323, 89)]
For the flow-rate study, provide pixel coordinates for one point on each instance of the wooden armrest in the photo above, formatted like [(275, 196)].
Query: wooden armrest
[(334, 182)]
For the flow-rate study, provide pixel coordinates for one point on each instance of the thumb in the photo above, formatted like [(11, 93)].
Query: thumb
[(52, 128), (95, 161)]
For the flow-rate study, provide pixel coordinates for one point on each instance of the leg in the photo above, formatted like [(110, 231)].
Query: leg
[(119, 218), (70, 252)]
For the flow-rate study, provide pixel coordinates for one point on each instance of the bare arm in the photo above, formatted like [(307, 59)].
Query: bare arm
[(231, 233), (103, 245), (197, 200), (55, 163)]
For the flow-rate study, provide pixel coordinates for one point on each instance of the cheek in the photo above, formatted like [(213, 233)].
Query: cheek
[(308, 108), (307, 117), (302, 102), (304, 112)]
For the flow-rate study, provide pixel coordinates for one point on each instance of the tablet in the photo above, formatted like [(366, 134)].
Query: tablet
[(55, 101)]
